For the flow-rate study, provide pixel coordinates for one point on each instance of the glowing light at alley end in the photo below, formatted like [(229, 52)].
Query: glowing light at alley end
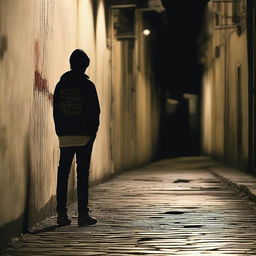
[(146, 32)]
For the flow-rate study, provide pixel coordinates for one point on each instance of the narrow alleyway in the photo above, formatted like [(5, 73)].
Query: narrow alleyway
[(158, 67), (171, 207)]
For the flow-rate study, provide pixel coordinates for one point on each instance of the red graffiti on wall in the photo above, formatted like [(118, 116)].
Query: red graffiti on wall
[(40, 83)]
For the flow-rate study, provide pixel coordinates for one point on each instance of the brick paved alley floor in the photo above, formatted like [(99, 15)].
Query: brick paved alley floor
[(171, 207)]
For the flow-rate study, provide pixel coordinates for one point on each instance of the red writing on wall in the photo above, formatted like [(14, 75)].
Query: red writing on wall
[(40, 83)]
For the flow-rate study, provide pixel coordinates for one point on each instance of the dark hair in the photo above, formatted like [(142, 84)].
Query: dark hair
[(79, 60)]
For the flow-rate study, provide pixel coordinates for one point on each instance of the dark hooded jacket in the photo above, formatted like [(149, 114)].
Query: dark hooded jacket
[(76, 107)]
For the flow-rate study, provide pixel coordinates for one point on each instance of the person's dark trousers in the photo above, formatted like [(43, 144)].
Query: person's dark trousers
[(83, 159)]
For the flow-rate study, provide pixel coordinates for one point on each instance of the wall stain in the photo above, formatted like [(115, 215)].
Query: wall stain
[(3, 46), (3, 141), (40, 83)]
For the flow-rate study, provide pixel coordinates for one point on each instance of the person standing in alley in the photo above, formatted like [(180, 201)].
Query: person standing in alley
[(76, 113)]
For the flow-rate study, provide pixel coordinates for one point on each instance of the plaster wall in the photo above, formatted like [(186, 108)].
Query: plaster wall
[(37, 38), (225, 99)]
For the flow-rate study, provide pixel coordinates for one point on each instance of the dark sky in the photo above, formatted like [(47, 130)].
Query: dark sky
[(175, 48)]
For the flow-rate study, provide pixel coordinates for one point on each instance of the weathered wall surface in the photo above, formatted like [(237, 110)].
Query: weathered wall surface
[(135, 112), (39, 37), (225, 87)]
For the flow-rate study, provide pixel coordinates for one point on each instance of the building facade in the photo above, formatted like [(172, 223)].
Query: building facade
[(226, 108)]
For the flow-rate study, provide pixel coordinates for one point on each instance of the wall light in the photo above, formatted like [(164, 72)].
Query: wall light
[(146, 32)]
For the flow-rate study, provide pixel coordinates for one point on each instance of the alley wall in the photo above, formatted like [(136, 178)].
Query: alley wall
[(37, 38), (225, 83)]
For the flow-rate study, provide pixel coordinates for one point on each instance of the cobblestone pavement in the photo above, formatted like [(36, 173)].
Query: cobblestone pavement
[(170, 207)]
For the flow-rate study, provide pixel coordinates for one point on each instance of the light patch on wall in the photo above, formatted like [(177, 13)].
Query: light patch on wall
[(101, 26), (192, 99), (101, 158), (207, 115), (171, 105), (86, 34)]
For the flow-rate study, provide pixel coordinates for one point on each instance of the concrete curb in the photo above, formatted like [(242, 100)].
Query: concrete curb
[(241, 189)]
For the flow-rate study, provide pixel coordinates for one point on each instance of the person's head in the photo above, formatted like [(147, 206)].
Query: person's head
[(79, 61)]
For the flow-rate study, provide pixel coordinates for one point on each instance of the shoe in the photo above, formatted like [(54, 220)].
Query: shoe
[(63, 220), (86, 220)]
